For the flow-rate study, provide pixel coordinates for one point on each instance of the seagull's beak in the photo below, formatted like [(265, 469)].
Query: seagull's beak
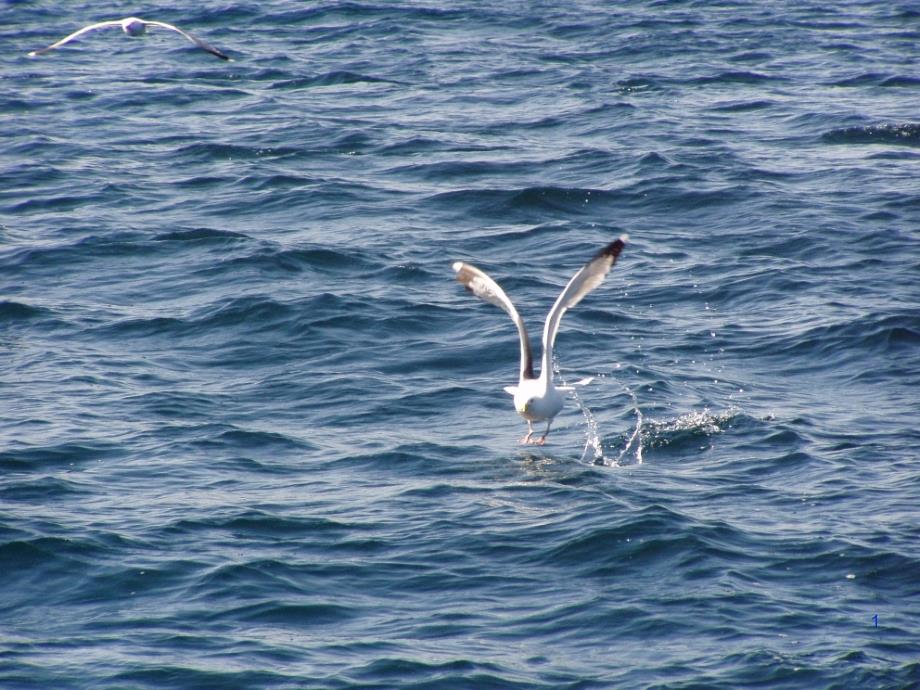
[(523, 407)]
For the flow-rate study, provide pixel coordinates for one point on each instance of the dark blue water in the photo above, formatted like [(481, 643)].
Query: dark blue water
[(253, 433)]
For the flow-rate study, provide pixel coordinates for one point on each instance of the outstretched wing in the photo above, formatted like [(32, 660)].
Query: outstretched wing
[(589, 277), (481, 285), (204, 45), (75, 34)]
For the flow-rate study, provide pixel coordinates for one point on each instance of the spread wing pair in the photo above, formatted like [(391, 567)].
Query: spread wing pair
[(133, 27), (537, 398)]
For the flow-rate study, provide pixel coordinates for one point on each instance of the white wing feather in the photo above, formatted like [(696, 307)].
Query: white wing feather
[(75, 34), (481, 285), (589, 277), (204, 45)]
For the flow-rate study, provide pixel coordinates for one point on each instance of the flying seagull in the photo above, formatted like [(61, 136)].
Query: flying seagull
[(133, 27), (537, 399)]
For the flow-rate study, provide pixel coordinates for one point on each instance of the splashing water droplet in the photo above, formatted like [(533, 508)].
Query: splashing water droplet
[(594, 447)]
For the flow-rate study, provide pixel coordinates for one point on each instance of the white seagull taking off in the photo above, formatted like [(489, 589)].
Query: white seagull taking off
[(537, 399), (133, 27)]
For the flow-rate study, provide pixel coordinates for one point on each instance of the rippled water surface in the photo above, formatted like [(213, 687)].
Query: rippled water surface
[(253, 432)]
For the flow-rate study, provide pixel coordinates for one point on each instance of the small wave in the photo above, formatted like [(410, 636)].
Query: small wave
[(162, 675), (742, 106), (146, 327), (903, 134), (62, 203), (752, 56), (333, 78), (687, 430), (899, 80), (363, 11), (288, 614), (204, 236), (606, 109), (643, 84), (276, 183), (449, 170), (735, 77), (261, 524), (654, 538), (19, 311), (250, 439), (877, 79), (251, 314), (85, 249), (488, 202), (54, 456), (415, 674), (210, 151), (43, 552), (854, 338), (271, 260), (866, 79), (41, 490), (170, 404), (416, 145), (250, 309), (681, 197)]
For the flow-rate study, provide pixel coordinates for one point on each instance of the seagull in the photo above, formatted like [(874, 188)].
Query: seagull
[(133, 27), (536, 398)]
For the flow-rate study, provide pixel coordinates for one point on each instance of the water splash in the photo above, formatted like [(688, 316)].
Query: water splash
[(646, 434), (594, 447), (658, 434), (592, 436), (634, 442)]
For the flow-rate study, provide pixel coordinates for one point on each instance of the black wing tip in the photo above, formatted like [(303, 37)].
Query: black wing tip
[(208, 48), (614, 248)]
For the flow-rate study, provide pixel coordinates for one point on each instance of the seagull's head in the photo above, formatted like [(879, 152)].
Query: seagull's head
[(523, 405)]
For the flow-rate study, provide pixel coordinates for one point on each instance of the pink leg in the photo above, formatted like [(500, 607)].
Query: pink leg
[(529, 434), (545, 434)]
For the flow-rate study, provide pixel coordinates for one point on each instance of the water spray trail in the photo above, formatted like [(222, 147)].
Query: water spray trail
[(593, 444), (635, 440)]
